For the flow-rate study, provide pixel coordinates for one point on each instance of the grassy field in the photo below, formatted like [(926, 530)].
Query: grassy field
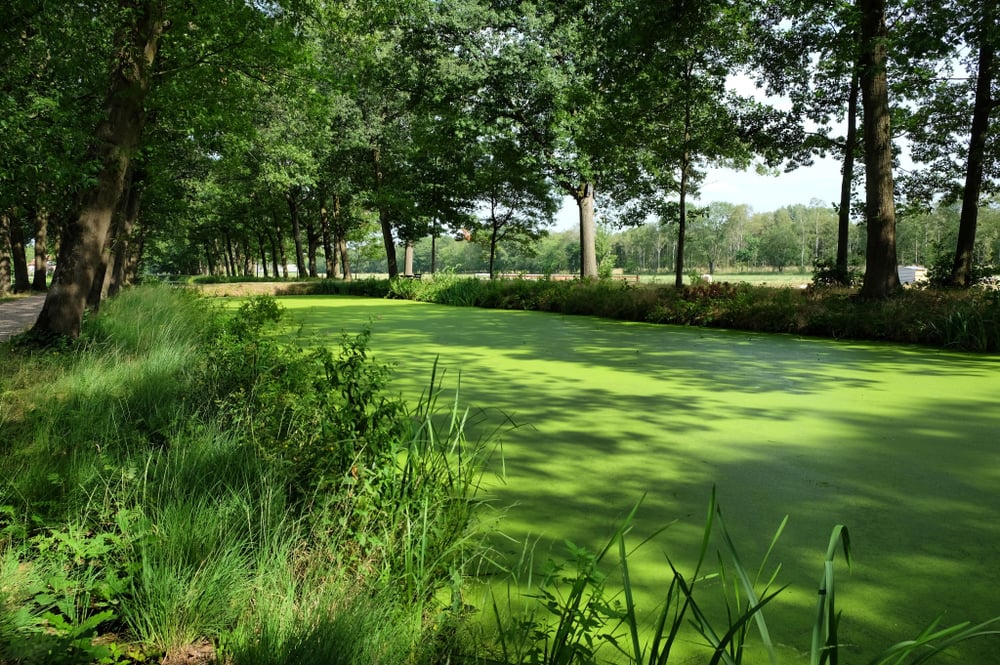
[(895, 442)]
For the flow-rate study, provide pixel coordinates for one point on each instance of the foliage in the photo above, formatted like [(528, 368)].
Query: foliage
[(939, 272), (826, 273)]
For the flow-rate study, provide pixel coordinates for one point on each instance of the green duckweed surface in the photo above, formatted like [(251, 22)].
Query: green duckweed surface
[(898, 443)]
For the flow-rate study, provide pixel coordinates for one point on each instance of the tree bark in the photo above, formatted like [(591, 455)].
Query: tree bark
[(584, 196), (881, 274), (263, 252), (345, 262), (962, 268), (116, 139), (22, 283), (842, 264), (4, 255), (40, 282), (408, 258), (123, 250)]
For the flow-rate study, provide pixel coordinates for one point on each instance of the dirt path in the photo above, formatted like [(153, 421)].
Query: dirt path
[(18, 314)]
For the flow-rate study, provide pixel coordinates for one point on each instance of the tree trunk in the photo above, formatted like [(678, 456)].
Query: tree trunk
[(384, 218), (4, 255), (123, 253), (584, 196), (117, 240), (116, 140), (312, 245), (681, 226), (493, 248), (293, 211), (130, 269), (261, 247), (881, 275), (961, 272), (17, 253), (434, 239), (842, 265), (328, 250), (41, 250), (344, 260), (408, 259), (273, 237)]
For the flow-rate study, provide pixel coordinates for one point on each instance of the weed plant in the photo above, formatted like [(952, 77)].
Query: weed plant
[(181, 477)]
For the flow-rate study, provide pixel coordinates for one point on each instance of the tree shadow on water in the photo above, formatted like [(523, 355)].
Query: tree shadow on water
[(898, 443)]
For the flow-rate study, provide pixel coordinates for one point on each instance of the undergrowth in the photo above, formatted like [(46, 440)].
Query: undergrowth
[(182, 478)]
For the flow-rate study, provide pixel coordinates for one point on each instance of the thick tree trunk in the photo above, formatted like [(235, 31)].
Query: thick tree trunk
[(408, 258), (961, 272), (116, 140), (881, 274), (40, 283), (842, 264), (123, 250), (22, 283), (493, 249), (116, 243), (584, 196), (261, 247), (130, 269)]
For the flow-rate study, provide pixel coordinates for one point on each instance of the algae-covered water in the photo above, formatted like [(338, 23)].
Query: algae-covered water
[(898, 443)]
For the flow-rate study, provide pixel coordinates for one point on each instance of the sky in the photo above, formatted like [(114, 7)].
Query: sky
[(763, 193)]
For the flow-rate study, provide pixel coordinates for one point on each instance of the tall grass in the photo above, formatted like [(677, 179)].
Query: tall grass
[(183, 478)]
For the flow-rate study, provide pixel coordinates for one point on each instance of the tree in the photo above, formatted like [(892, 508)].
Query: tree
[(671, 87), (517, 196), (809, 52), (116, 139), (881, 275), (949, 121)]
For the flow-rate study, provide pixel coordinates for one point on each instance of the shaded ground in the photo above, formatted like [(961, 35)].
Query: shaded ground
[(897, 442), (18, 314)]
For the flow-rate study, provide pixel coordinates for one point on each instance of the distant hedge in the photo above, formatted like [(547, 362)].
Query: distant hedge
[(963, 320)]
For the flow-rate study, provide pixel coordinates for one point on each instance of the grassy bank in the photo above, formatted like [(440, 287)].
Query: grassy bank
[(180, 482)]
